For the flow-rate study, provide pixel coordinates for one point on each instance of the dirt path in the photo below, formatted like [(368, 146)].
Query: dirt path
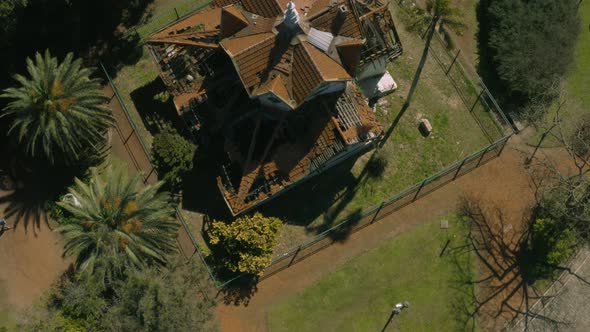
[(504, 181), (31, 261)]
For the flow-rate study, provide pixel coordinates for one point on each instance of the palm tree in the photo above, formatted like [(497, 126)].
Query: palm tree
[(442, 15), (58, 111), (117, 222)]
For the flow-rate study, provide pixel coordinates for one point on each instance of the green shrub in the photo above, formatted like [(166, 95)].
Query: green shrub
[(245, 245), (173, 156), (550, 242)]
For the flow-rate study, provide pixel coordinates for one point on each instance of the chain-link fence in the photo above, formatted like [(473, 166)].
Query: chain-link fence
[(473, 93), (358, 221), (140, 156)]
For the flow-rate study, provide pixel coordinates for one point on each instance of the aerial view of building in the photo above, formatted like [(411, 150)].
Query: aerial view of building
[(279, 78), (295, 165)]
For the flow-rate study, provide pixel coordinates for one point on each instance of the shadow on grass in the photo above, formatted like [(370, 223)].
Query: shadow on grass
[(239, 292), (28, 186), (156, 112), (200, 191), (507, 290)]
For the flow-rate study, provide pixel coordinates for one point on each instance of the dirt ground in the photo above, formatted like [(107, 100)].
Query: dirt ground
[(31, 262), (501, 182)]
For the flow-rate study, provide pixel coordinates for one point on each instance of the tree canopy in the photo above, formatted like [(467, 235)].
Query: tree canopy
[(117, 222), (173, 156), (169, 299), (58, 112), (246, 244), (532, 42)]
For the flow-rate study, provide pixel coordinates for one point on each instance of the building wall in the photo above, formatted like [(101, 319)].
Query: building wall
[(375, 68), (270, 100)]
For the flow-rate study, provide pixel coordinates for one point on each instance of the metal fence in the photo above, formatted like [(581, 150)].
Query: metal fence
[(475, 97), (374, 214), (142, 161)]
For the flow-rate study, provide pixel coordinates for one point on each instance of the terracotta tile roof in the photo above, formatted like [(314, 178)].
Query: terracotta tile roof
[(305, 77), (338, 24), (350, 54), (266, 8), (329, 69), (206, 39), (207, 20), (232, 21), (250, 55), (223, 3), (276, 86)]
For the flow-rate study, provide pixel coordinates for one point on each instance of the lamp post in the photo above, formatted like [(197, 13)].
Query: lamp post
[(397, 309)]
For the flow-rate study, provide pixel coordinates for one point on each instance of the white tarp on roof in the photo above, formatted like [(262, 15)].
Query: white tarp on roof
[(320, 39)]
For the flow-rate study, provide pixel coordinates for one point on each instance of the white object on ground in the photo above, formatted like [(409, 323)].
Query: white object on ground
[(378, 86)]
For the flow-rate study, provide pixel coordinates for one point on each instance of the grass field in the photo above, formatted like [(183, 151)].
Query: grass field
[(360, 295), (143, 71), (406, 158)]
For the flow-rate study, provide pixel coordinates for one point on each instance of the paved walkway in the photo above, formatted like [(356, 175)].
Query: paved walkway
[(566, 305)]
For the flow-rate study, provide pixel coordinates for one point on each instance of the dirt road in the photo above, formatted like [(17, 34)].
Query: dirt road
[(504, 181)]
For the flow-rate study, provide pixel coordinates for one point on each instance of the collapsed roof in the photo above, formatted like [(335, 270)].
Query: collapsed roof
[(290, 49), (301, 54)]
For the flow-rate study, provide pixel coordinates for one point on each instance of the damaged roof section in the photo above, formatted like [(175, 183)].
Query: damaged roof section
[(277, 78)]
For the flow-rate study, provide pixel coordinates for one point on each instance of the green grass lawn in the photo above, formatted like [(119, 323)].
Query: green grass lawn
[(360, 295), (408, 158), (130, 77)]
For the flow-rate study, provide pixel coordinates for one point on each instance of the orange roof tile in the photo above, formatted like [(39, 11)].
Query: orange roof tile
[(250, 55), (232, 21), (276, 86), (329, 69), (203, 21)]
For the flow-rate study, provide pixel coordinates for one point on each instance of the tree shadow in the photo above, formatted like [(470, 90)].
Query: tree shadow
[(200, 191), (29, 185), (90, 29), (240, 291), (507, 290), (156, 107)]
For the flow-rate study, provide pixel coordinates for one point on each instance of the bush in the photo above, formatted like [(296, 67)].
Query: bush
[(173, 156), (532, 42), (551, 243), (246, 245)]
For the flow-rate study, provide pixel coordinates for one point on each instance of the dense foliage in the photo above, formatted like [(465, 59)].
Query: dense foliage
[(144, 300), (58, 113), (245, 245), (87, 28), (173, 156), (117, 222), (551, 242), (532, 42)]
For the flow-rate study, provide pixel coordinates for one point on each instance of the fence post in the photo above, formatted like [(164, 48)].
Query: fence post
[(377, 213), (459, 169), (503, 146), (477, 100), (419, 189), (176, 11), (149, 174), (453, 63), (294, 255), (483, 155)]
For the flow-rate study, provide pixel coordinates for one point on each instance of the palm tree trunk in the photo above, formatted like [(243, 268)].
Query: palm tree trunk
[(422, 63), (429, 35)]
